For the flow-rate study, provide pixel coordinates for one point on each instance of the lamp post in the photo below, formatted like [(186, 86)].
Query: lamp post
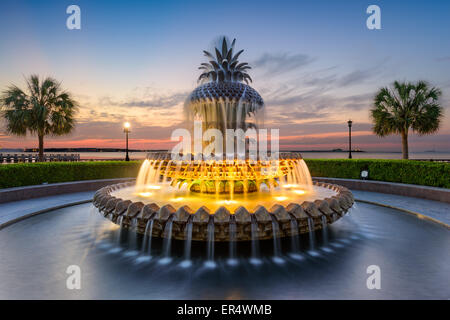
[(349, 122), (126, 129)]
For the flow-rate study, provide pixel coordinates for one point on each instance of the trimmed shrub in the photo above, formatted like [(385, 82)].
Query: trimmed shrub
[(25, 174), (435, 174)]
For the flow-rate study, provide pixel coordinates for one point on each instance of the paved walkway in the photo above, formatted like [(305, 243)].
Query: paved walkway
[(434, 209), (16, 209)]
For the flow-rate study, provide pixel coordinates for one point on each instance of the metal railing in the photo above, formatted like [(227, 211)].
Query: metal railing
[(30, 158)]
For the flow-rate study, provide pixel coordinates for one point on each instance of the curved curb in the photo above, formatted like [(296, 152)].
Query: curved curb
[(53, 189), (29, 215), (416, 214)]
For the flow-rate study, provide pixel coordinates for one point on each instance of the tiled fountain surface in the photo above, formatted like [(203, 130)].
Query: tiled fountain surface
[(434, 209)]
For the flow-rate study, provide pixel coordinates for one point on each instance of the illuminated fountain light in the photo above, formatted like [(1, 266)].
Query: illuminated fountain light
[(145, 194)]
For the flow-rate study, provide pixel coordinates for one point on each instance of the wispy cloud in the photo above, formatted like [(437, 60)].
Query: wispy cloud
[(276, 64), (154, 101), (355, 77)]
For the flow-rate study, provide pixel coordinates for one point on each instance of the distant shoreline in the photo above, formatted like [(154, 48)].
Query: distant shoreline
[(140, 150), (118, 150)]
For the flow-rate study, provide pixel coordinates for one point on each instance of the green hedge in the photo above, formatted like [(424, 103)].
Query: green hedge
[(403, 171), (435, 174), (25, 174)]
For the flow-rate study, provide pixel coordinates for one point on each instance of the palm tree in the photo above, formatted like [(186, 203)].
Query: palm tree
[(43, 109), (407, 106)]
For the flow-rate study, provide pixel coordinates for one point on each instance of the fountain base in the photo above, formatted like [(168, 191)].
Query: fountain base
[(307, 217)]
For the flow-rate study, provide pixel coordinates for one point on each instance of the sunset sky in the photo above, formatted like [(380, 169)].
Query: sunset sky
[(315, 64)]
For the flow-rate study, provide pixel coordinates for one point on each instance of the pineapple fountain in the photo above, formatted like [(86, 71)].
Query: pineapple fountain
[(221, 199)]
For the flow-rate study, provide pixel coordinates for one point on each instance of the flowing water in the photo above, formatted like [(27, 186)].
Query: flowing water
[(255, 244), (295, 241), (167, 243), (147, 247), (232, 245), (210, 245)]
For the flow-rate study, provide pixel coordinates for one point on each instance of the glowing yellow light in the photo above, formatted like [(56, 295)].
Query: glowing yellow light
[(152, 187), (299, 191), (177, 199), (126, 125), (145, 194), (227, 202), (281, 198), (289, 186)]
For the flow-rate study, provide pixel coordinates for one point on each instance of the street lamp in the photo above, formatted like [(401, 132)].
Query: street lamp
[(349, 122), (126, 129)]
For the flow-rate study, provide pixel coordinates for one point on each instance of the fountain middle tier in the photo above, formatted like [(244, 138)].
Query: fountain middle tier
[(224, 176), (268, 197)]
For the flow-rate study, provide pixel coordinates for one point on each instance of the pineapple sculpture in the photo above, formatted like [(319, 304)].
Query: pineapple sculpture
[(224, 100)]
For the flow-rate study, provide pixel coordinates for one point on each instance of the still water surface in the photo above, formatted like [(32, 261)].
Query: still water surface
[(413, 256)]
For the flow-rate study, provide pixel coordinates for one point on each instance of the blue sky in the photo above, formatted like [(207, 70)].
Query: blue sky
[(314, 62)]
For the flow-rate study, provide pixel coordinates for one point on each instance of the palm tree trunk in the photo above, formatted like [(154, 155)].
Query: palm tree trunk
[(41, 148), (405, 144)]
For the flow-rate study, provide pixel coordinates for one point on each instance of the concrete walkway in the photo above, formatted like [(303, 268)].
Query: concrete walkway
[(434, 209), (11, 211), (16, 209)]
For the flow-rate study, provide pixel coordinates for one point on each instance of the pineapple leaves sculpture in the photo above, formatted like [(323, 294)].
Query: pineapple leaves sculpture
[(225, 66), (224, 99)]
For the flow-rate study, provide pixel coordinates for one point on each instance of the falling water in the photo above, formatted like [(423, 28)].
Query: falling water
[(119, 234), (188, 241), (210, 244), (324, 230), (232, 245), (295, 241), (142, 175), (118, 237), (132, 241), (167, 242), (147, 247), (311, 234), (276, 242), (299, 175), (255, 244)]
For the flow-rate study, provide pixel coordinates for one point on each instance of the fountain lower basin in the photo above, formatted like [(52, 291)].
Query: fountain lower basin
[(282, 219)]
